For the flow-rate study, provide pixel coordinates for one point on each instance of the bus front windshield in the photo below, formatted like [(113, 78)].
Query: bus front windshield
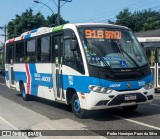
[(113, 48)]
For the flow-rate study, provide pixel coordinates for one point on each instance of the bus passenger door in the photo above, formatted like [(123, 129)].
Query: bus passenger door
[(10, 66), (57, 67)]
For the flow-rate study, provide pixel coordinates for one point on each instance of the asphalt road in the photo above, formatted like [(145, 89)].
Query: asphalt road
[(146, 117)]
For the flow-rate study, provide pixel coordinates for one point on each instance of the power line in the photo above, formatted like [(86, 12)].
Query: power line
[(58, 6), (115, 18), (33, 5), (41, 6), (55, 3), (45, 3), (104, 13), (63, 4), (101, 15)]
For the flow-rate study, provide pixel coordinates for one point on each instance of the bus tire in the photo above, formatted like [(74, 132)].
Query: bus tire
[(76, 108), (130, 108), (25, 96)]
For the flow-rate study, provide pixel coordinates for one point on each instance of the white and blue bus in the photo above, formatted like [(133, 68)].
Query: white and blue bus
[(90, 66)]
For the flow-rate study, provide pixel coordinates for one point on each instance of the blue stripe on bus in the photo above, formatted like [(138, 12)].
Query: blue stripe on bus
[(33, 31), (27, 36), (20, 76), (6, 75), (79, 83), (39, 79)]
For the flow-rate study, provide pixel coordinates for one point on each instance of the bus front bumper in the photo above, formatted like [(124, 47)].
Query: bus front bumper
[(94, 100)]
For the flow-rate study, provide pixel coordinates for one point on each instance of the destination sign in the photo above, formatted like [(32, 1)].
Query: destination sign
[(102, 34)]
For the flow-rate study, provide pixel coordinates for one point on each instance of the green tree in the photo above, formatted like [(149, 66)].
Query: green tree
[(10, 30), (25, 22), (125, 18), (139, 20), (152, 20), (52, 20)]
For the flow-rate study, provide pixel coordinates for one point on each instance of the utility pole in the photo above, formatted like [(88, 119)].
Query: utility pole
[(59, 8), (5, 32)]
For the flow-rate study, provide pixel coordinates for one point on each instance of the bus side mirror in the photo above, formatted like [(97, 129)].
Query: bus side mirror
[(74, 45)]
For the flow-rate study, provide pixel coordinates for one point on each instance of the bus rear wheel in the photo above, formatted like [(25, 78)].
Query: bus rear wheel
[(76, 108), (130, 108), (25, 97)]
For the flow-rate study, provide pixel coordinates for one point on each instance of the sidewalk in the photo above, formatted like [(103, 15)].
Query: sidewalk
[(16, 117)]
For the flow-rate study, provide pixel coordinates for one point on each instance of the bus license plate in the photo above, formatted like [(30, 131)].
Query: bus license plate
[(130, 97)]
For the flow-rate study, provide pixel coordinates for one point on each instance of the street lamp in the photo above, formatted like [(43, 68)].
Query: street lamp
[(59, 7), (43, 4)]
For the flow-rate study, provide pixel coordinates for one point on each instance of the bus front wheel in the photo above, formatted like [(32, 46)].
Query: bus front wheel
[(25, 97), (130, 108), (76, 108)]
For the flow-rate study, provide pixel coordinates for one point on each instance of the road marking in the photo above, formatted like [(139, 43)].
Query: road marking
[(2, 84), (157, 99), (155, 105), (8, 123), (140, 123)]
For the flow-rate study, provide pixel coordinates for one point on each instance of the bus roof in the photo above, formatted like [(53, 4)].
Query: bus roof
[(148, 39), (45, 30), (100, 24)]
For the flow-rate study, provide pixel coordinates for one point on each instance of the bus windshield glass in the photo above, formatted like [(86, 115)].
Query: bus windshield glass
[(113, 48)]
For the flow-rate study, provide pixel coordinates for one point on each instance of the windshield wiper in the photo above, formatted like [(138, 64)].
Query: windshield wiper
[(98, 55), (121, 49)]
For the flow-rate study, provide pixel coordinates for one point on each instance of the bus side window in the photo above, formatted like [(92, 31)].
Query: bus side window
[(43, 49), (30, 55), (68, 55), (10, 53), (20, 52), (55, 50), (7, 54), (79, 61), (71, 58)]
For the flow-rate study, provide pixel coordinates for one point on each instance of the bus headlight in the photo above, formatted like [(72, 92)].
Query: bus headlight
[(149, 86), (100, 89)]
